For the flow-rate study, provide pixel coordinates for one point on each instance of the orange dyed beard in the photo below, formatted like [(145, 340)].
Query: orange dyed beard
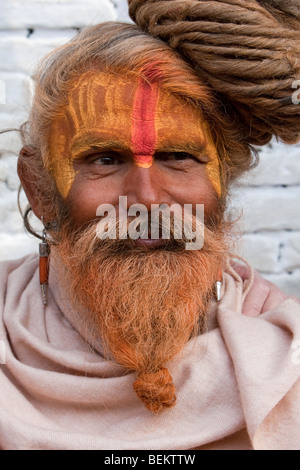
[(131, 113), (144, 304)]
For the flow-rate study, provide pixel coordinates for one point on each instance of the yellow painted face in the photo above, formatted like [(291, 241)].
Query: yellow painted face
[(112, 112)]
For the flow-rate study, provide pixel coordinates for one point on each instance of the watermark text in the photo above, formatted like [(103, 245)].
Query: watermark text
[(187, 225)]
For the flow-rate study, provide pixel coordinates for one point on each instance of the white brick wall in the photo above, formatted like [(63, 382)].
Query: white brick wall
[(17, 14), (268, 197)]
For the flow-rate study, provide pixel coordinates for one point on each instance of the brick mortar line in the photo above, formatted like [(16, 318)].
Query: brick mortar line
[(267, 186), (11, 32)]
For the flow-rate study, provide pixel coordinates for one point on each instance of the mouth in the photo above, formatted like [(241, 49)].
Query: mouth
[(149, 243)]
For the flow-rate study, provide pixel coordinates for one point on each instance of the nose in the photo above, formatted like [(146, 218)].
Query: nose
[(145, 186)]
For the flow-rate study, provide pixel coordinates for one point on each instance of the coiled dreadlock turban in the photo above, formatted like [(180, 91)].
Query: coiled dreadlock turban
[(248, 51)]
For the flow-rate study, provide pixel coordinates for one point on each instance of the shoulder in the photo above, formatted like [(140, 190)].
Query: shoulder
[(25, 263), (262, 296), (15, 273)]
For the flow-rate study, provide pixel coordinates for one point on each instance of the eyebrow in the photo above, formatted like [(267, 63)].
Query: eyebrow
[(199, 148), (85, 144)]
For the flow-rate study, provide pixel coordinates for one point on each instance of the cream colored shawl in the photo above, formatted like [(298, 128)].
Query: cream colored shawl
[(237, 385)]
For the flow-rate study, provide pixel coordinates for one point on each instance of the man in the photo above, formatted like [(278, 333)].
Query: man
[(136, 342)]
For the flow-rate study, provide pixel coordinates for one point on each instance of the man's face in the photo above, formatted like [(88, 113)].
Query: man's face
[(127, 137), (122, 136)]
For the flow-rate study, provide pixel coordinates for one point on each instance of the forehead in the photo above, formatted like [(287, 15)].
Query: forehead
[(106, 106), (113, 112)]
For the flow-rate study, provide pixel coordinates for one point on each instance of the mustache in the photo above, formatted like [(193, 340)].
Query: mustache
[(115, 235)]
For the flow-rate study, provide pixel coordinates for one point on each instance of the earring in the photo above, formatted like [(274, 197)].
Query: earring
[(218, 285), (44, 249)]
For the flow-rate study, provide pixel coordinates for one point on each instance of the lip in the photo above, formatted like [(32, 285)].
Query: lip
[(147, 242)]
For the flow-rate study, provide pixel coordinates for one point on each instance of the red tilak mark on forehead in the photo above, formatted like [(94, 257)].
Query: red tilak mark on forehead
[(144, 135)]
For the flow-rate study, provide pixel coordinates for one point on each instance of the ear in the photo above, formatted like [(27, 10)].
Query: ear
[(29, 180)]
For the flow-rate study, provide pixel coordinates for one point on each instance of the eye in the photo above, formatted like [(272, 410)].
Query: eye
[(175, 156), (105, 159)]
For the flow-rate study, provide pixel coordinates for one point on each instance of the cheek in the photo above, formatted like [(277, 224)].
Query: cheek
[(199, 191), (85, 197)]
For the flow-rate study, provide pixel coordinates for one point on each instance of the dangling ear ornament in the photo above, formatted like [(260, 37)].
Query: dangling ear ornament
[(44, 265), (218, 285)]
